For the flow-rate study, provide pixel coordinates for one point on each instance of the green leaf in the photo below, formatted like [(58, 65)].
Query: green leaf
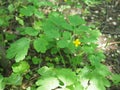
[(39, 14), (62, 43), (57, 20), (102, 70), (52, 34), (93, 60), (100, 55), (60, 22), (59, 77), (36, 60), (76, 20), (1, 21), (67, 35), (66, 76), (85, 72), (47, 83), (88, 49), (20, 67), (76, 61), (96, 58), (54, 50), (45, 71), (10, 36), (51, 30), (82, 29), (20, 21), (37, 25), (47, 25), (27, 11), (28, 30), (91, 36), (71, 47), (33, 1), (76, 86), (43, 3), (11, 8), (31, 31), (40, 45), (2, 84), (4, 21), (18, 49), (98, 82), (66, 26), (116, 79), (14, 79), (43, 88)]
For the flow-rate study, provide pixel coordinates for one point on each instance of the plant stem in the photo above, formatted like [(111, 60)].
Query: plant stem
[(63, 61)]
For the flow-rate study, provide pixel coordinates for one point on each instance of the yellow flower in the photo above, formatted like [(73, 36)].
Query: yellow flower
[(77, 42)]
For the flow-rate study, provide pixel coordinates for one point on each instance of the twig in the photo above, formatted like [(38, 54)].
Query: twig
[(111, 43)]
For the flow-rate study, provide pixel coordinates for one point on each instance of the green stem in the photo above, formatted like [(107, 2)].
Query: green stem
[(63, 61)]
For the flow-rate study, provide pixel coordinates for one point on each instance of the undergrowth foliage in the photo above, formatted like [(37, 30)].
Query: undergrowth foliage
[(62, 49)]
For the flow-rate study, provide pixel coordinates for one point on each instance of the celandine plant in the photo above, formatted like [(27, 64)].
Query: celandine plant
[(74, 43)]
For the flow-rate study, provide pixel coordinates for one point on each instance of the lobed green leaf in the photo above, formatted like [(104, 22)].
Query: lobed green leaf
[(27, 11), (2, 83), (28, 31), (75, 20), (47, 83), (14, 79), (62, 43), (20, 67), (18, 49), (40, 45)]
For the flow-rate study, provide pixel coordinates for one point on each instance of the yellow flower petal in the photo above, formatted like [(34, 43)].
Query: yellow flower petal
[(77, 42)]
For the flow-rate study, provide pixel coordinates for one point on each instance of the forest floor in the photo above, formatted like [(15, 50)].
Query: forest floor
[(108, 17), (109, 25)]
